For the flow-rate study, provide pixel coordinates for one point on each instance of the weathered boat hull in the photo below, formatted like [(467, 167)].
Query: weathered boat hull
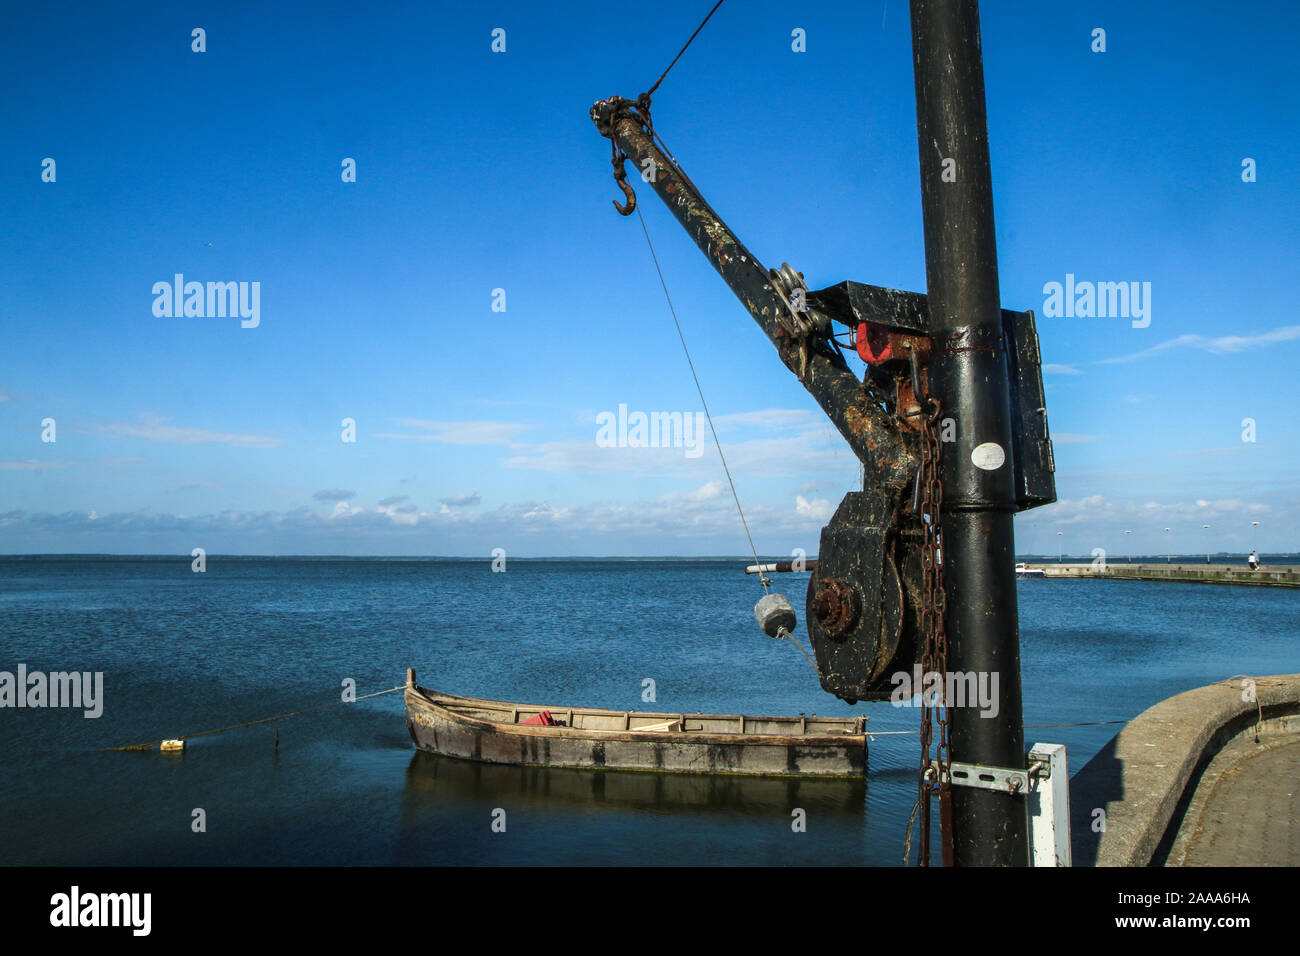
[(488, 731)]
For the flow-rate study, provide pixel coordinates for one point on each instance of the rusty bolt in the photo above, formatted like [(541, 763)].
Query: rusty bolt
[(836, 606)]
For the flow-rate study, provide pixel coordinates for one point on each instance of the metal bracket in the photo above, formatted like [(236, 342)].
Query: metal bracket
[(1047, 804), (994, 778)]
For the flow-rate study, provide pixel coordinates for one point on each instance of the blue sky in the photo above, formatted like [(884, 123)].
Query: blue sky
[(477, 171)]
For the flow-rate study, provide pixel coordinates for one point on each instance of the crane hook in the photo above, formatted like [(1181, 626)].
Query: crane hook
[(620, 177)]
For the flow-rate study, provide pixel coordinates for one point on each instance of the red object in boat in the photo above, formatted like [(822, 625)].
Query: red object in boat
[(544, 719)]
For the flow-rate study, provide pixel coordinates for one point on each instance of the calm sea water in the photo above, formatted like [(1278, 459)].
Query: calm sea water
[(251, 637)]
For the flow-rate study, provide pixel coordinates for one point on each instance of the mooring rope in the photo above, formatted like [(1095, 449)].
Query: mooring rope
[(873, 734), (1233, 682), (1255, 682), (260, 720)]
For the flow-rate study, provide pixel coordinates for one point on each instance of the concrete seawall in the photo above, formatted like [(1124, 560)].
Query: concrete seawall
[(1278, 576), (1139, 801)]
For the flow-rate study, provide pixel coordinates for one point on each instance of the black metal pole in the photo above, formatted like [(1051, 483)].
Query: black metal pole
[(969, 377)]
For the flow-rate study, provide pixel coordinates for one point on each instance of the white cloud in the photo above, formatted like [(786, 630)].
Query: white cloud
[(699, 520), (1215, 346), (154, 428), (678, 522), (334, 494), (772, 418), (1098, 511), (813, 451), (32, 464), (467, 500), (1239, 343), (458, 433), (819, 509), (707, 492)]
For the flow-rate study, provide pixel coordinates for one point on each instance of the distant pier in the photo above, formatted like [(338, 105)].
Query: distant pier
[(1277, 576)]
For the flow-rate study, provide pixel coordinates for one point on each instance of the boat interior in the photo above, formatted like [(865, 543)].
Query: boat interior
[(585, 718)]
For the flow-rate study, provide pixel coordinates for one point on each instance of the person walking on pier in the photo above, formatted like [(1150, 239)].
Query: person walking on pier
[(1254, 561)]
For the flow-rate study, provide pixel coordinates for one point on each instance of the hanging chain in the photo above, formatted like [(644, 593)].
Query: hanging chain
[(934, 656)]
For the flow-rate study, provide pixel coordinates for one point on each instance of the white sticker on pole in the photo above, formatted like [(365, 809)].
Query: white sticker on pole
[(988, 456)]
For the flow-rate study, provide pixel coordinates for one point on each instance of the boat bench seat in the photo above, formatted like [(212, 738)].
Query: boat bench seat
[(667, 726)]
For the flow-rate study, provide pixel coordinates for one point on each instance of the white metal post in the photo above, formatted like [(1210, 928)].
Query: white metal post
[(1049, 807)]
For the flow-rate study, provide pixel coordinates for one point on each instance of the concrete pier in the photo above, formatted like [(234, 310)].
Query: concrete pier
[(1278, 576), (1245, 812), (1209, 777)]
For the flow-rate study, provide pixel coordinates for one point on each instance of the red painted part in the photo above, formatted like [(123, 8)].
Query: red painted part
[(872, 342), (544, 719)]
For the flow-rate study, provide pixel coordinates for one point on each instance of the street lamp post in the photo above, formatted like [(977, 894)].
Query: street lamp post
[(1254, 541), (1168, 557), (1207, 544), (1130, 547), (1060, 547)]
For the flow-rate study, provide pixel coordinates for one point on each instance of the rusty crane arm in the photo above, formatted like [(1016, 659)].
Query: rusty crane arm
[(800, 332), (866, 594)]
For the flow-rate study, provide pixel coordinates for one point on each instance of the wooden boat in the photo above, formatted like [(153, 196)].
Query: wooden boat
[(492, 731)]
